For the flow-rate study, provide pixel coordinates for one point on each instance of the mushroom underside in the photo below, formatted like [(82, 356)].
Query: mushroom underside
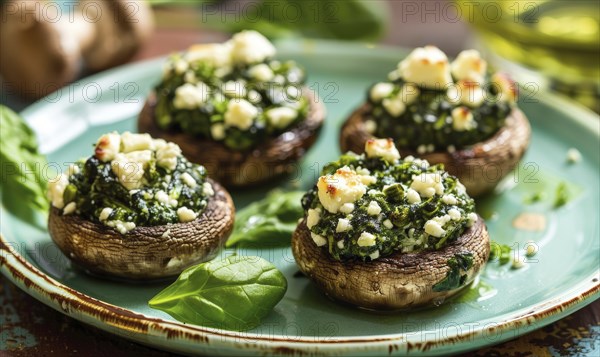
[(479, 167), (273, 158), (144, 252), (395, 282)]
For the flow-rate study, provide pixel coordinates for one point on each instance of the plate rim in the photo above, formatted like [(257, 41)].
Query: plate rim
[(66, 300)]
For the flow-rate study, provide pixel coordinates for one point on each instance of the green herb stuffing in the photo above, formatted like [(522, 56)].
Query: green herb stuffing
[(235, 293), (562, 195), (23, 185), (284, 90), (428, 120), (94, 187), (268, 222), (400, 224), (456, 276)]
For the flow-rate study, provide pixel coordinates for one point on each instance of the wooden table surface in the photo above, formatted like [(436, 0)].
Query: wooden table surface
[(30, 328)]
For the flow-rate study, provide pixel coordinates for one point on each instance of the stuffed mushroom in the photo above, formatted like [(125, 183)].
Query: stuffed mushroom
[(451, 113), (138, 209), (244, 115), (386, 234)]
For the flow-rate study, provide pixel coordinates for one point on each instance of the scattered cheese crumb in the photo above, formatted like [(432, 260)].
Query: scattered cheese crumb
[(373, 209), (319, 240), (573, 155), (69, 208), (383, 148), (366, 240), (313, 217), (185, 214), (343, 225)]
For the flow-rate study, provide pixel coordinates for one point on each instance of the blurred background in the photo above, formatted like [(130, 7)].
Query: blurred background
[(547, 44)]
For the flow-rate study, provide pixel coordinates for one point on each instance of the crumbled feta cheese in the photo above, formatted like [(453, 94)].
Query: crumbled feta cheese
[(462, 119), (129, 168), (395, 106), (433, 228), (69, 208), (469, 66), (134, 142), (454, 214), (72, 170), (343, 225), (108, 146), (217, 130), (240, 113), (313, 217), (281, 117), (472, 94), (374, 255), (319, 240), (216, 54), (381, 90), (368, 180), (427, 67), (472, 218), (347, 208), (460, 188), (56, 190), (250, 47), (190, 77), (428, 184), (449, 199), (412, 196), (517, 263), (370, 126), (261, 72), (207, 189), (507, 88), (366, 240), (573, 155), (234, 89), (383, 148), (340, 244), (185, 214), (188, 180), (373, 209), (191, 96), (105, 213), (166, 156), (451, 149), (409, 158), (409, 93), (166, 234), (180, 66), (421, 149), (430, 148), (120, 226), (531, 248), (162, 197), (342, 187), (388, 224)]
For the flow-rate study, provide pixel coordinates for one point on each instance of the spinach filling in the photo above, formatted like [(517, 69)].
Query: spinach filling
[(94, 187), (400, 224), (428, 120), (283, 90)]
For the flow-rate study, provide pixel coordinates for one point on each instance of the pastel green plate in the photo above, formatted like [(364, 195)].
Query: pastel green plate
[(506, 303)]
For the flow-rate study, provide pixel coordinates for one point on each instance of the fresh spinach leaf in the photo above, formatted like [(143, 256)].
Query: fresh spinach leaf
[(562, 195), (234, 293), (456, 276), (23, 185), (268, 222)]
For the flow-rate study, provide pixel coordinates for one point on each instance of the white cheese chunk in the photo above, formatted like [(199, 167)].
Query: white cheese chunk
[(319, 240), (217, 130), (383, 148), (105, 213), (313, 217), (108, 146), (507, 88), (409, 93), (343, 225), (261, 72), (188, 180), (215, 54), (573, 155), (427, 67), (134, 142), (388, 224), (454, 214), (428, 184), (180, 66), (381, 90), (191, 96), (449, 199), (250, 47), (166, 156), (395, 106), (374, 255), (462, 119), (366, 240), (345, 186), (185, 214), (373, 209), (412, 196), (69, 208), (469, 66), (129, 168), (340, 244), (56, 190), (120, 226), (472, 218), (347, 208), (240, 113), (370, 126), (207, 189), (434, 228), (281, 117), (234, 89)]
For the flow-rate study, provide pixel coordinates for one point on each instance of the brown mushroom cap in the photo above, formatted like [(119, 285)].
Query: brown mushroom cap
[(397, 281), (243, 168), (145, 252), (121, 28), (479, 167)]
